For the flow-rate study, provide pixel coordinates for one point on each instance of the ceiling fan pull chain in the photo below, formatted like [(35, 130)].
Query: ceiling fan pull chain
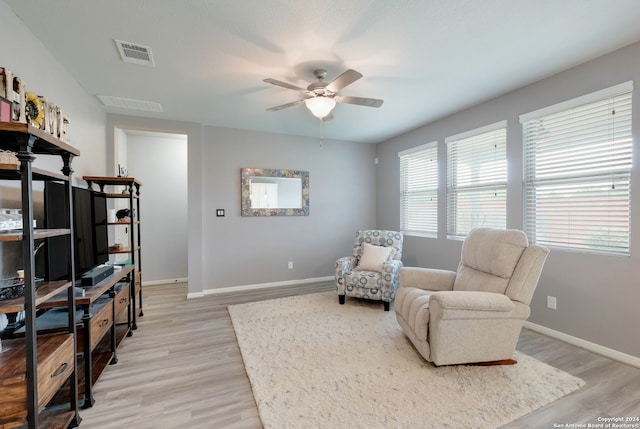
[(321, 132)]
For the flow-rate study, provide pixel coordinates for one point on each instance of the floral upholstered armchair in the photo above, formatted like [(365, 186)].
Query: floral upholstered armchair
[(372, 271)]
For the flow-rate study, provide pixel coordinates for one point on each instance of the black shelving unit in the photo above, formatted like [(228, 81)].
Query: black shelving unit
[(24, 391), (131, 187)]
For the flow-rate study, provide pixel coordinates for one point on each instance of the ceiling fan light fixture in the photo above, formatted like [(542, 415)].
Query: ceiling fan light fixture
[(320, 106)]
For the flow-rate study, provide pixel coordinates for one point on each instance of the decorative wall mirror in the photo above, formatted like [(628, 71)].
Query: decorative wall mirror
[(270, 192)]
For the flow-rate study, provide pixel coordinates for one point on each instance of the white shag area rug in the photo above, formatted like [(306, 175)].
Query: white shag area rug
[(316, 364)]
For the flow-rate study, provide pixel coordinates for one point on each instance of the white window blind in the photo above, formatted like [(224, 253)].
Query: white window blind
[(477, 179), (577, 169), (419, 190)]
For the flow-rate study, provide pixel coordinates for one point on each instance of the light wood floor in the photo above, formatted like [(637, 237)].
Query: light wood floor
[(182, 369)]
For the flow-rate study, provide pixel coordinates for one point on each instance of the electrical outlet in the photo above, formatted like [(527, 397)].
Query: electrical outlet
[(552, 303), (290, 265)]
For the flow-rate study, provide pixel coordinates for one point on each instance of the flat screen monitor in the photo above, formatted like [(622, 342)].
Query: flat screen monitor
[(101, 233), (90, 235), (56, 250)]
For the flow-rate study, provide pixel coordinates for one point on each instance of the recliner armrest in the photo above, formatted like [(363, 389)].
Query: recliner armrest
[(427, 278), (460, 305), (472, 300)]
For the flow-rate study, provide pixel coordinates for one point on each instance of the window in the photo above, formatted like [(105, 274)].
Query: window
[(477, 179), (419, 190), (577, 169)]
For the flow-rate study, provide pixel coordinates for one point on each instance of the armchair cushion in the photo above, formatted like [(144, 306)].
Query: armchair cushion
[(489, 257), (379, 238), (493, 251), (373, 256), (472, 279)]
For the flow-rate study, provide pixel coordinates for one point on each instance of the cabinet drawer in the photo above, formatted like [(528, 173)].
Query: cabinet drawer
[(121, 303), (101, 322), (13, 397), (54, 370), (56, 361)]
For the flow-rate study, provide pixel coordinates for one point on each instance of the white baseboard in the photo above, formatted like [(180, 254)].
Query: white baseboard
[(592, 347), (257, 286), (165, 282), (192, 295)]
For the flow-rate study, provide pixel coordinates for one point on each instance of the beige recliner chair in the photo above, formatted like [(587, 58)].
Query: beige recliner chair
[(475, 314)]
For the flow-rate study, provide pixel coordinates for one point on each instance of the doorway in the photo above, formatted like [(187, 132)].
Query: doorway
[(159, 161)]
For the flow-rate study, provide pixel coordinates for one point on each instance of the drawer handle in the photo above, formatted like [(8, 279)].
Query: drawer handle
[(60, 370), (105, 322), (123, 300)]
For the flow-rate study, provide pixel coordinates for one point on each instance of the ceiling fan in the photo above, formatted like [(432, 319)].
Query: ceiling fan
[(321, 97)]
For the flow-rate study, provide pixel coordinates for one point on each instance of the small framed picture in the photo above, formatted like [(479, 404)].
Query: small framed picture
[(122, 171), (5, 110)]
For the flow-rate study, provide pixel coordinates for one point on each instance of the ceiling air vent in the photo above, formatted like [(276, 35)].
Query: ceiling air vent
[(134, 53), (127, 103)]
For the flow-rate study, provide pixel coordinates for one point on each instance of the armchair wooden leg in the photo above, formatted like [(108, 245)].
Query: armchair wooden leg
[(386, 305), (341, 299)]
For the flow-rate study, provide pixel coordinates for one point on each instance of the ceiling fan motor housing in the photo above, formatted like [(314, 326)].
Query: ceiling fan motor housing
[(318, 89), (320, 73)]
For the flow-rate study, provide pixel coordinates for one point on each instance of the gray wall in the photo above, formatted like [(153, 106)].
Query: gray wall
[(23, 54), (240, 251), (252, 250), (597, 296)]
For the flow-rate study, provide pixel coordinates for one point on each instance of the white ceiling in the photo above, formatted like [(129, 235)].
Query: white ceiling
[(425, 58)]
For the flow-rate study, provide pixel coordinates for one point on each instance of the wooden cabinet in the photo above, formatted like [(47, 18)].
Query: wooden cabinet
[(100, 321), (126, 189), (97, 334), (55, 364), (33, 368)]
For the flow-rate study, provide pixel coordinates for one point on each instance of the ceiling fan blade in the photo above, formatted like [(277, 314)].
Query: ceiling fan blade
[(346, 78), (284, 85), (284, 106), (369, 102)]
